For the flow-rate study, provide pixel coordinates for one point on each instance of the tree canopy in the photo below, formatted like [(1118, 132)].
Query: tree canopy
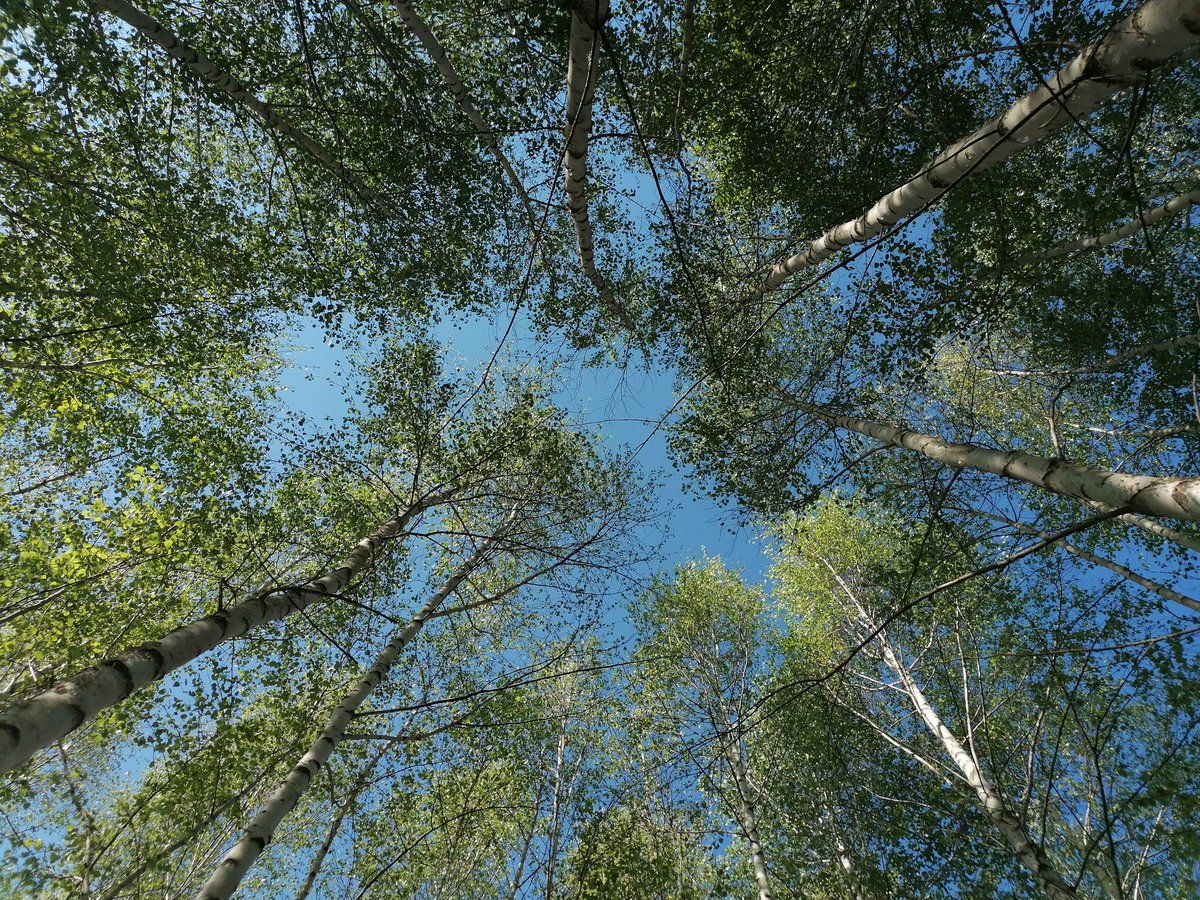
[(910, 294)]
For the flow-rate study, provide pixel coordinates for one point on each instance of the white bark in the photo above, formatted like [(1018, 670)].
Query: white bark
[(1158, 30), (748, 817), (422, 32), (685, 58), (239, 93), (1153, 586), (1157, 214), (1009, 826), (583, 67), (233, 868), (39, 721), (1186, 340), (1177, 498), (1150, 525)]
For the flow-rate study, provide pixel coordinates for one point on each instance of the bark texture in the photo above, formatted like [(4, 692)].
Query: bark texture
[(155, 31), (1153, 586), (583, 66), (41, 720), (748, 819), (1008, 824), (1176, 498), (241, 856), (1150, 217), (422, 32), (1134, 48)]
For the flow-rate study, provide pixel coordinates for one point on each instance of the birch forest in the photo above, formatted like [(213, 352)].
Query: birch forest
[(599, 449)]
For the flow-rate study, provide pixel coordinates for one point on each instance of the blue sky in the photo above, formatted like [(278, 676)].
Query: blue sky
[(621, 405)]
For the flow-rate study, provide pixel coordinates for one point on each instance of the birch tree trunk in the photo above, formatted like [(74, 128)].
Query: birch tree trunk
[(1009, 826), (1132, 49), (35, 723), (422, 32), (1153, 586), (583, 66), (1177, 498), (1157, 214), (1185, 340), (240, 94), (241, 856), (748, 818), (685, 58)]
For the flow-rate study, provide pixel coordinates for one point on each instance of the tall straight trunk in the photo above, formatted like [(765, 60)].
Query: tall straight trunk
[(583, 67), (748, 818), (1184, 340), (1009, 825), (35, 723), (685, 57), (1157, 214), (422, 32), (1177, 498), (240, 94), (241, 856), (845, 861), (1132, 49), (1187, 541), (556, 800)]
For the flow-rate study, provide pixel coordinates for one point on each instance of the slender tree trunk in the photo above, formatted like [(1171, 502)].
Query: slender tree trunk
[(1157, 214), (1010, 827), (845, 861), (1154, 527), (583, 67), (237, 862), (685, 58), (748, 818), (318, 861), (35, 723), (1153, 586), (560, 754), (1132, 49), (1177, 498), (239, 93), (1186, 340), (417, 25)]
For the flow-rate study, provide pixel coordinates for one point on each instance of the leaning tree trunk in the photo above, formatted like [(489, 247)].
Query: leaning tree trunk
[(49, 716), (240, 94), (1125, 572), (417, 25), (1157, 214), (241, 856), (583, 67), (1133, 48), (685, 58), (1009, 825), (1177, 498)]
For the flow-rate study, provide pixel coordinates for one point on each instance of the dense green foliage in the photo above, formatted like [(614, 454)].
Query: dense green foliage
[(952, 679)]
